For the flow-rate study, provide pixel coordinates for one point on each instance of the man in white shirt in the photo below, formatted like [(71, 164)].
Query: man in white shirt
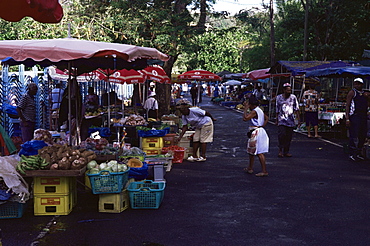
[(151, 106), (203, 123)]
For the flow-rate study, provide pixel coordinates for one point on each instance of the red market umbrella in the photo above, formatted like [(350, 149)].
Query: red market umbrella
[(122, 76), (261, 74), (60, 75), (44, 11), (156, 74), (258, 74), (200, 75)]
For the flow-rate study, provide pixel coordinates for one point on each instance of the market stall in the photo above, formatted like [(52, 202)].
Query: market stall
[(53, 164)]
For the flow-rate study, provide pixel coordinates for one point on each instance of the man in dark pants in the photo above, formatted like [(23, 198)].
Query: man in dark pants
[(356, 119), (26, 109), (286, 106)]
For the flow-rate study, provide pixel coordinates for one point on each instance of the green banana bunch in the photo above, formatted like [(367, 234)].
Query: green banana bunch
[(32, 162)]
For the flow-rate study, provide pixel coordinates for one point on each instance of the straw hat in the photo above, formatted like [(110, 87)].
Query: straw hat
[(183, 103)]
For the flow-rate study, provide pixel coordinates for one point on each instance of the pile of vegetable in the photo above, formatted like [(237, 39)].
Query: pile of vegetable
[(99, 146), (172, 149), (134, 120), (56, 157), (44, 135), (111, 166), (133, 151)]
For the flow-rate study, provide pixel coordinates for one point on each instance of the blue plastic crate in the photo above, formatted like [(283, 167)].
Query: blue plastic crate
[(106, 182), (10, 210), (146, 194)]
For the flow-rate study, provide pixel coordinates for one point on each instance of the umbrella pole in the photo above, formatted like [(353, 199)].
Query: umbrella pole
[(78, 137), (198, 100), (69, 104), (108, 102)]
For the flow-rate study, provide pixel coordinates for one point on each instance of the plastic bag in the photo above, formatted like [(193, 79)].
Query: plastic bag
[(139, 173), (13, 179), (153, 133), (103, 131), (32, 147), (10, 109)]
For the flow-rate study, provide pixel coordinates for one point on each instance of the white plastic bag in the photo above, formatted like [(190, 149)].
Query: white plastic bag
[(13, 179)]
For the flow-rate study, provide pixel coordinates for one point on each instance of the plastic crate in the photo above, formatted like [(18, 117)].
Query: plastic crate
[(152, 151), (11, 210), (152, 142), (169, 139), (146, 194), (107, 182), (53, 185), (113, 203), (53, 204)]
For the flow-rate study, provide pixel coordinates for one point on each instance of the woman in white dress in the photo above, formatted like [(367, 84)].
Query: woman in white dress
[(258, 142)]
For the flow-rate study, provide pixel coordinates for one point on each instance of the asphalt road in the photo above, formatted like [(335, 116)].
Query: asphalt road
[(317, 197)]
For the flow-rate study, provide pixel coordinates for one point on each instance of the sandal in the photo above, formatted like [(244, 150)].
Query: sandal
[(288, 155), (280, 155), (247, 170), (262, 174)]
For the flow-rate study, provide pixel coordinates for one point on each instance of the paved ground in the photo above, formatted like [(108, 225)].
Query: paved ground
[(317, 197)]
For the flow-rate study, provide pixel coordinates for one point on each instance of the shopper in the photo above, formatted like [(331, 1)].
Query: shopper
[(356, 119), (151, 106), (311, 102), (203, 123), (258, 142), (26, 109), (56, 96), (286, 107), (194, 94)]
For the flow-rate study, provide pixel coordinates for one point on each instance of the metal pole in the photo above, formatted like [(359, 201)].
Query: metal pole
[(69, 104)]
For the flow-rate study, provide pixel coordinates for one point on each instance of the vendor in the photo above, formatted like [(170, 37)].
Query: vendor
[(203, 123), (91, 105), (26, 109), (151, 106), (91, 100)]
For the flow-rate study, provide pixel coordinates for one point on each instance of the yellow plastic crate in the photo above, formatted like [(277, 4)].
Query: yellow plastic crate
[(152, 142), (53, 185), (152, 151), (53, 205), (113, 203)]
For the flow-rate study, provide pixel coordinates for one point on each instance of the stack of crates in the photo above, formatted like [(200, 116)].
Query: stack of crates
[(187, 143), (54, 195), (113, 197), (152, 145)]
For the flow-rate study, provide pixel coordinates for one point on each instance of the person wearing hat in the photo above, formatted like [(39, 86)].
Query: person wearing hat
[(286, 107), (356, 119), (151, 106), (203, 123)]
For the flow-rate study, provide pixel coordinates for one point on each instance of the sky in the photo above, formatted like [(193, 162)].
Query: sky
[(233, 6)]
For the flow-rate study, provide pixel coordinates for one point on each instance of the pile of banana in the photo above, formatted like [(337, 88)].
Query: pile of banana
[(32, 162)]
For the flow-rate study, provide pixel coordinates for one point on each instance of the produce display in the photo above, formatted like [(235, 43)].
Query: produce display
[(111, 166), (99, 146), (98, 112), (133, 151), (44, 135), (56, 157), (134, 120)]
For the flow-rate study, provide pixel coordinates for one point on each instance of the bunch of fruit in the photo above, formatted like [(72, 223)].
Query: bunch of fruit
[(32, 162)]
